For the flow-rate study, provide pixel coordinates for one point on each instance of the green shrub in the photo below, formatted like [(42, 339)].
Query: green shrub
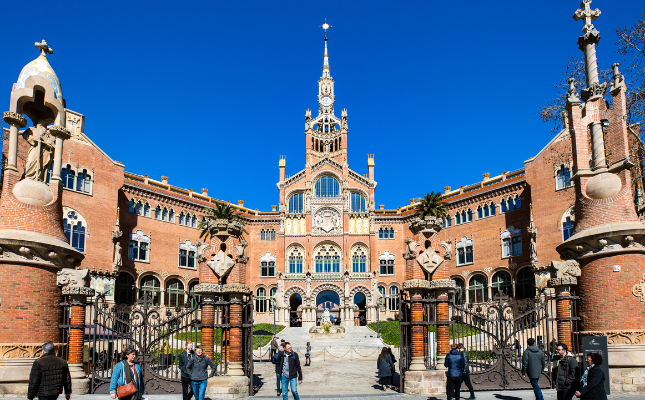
[(260, 341), (390, 331)]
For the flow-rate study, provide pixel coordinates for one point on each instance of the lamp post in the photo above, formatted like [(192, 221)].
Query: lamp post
[(273, 302), (378, 318)]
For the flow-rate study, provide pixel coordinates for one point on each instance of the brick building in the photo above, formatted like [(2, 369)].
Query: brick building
[(327, 240)]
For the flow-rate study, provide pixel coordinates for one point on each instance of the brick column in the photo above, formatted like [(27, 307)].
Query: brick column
[(418, 338), (562, 288), (443, 338), (236, 365), (208, 320), (77, 299)]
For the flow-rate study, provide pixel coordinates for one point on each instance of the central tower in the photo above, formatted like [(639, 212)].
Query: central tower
[(326, 133)]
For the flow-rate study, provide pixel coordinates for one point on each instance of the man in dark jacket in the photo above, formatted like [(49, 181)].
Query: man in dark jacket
[(184, 357), (49, 376), (289, 363), (565, 373), (533, 363), (278, 372), (274, 346), (466, 371), (455, 365)]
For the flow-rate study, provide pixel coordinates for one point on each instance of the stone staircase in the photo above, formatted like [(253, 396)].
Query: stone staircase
[(356, 337)]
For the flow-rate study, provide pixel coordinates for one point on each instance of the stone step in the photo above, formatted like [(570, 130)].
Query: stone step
[(356, 337)]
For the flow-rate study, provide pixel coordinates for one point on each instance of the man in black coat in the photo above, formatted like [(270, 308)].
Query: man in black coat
[(184, 357), (49, 376), (566, 372), (533, 363), (289, 363)]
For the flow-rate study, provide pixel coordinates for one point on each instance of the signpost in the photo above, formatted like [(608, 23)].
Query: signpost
[(596, 344)]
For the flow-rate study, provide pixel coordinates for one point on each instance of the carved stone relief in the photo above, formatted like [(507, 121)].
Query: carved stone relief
[(327, 220), (638, 289)]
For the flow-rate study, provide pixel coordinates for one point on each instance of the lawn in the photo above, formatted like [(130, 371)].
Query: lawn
[(390, 331), (258, 340)]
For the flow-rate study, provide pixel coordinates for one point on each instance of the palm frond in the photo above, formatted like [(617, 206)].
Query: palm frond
[(430, 205)]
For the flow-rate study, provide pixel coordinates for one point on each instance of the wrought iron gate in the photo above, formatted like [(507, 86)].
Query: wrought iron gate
[(494, 334), (158, 333)]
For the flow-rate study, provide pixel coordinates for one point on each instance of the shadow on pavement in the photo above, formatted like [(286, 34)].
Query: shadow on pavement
[(504, 397)]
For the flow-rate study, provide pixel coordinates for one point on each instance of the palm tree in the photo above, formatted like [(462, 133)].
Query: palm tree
[(430, 205), (217, 220)]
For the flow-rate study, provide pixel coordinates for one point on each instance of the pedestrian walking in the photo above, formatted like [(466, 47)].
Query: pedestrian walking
[(455, 364), (517, 347), (198, 368), (308, 355), (466, 371), (533, 363), (184, 358), (384, 367), (49, 376), (274, 346), (593, 380), (289, 363), (389, 352), (553, 348), (566, 371), (278, 371), (126, 372)]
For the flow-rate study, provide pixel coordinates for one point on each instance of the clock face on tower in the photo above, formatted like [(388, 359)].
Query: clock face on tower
[(325, 101)]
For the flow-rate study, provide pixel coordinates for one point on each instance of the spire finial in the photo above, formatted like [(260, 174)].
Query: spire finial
[(325, 26), (44, 48), (587, 14)]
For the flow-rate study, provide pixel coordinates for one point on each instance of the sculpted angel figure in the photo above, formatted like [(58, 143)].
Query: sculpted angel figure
[(117, 259), (41, 149)]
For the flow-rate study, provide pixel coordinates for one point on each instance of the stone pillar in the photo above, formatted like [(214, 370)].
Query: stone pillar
[(15, 121), (236, 367), (208, 320), (562, 288), (77, 299), (418, 338)]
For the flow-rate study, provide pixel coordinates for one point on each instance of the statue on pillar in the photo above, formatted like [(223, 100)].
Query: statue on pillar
[(532, 231), (40, 154)]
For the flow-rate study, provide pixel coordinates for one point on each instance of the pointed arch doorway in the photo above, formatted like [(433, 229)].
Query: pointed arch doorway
[(328, 300), (360, 315), (295, 310)]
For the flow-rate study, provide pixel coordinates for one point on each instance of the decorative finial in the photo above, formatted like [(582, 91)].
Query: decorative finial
[(587, 14), (325, 26), (44, 48), (572, 94)]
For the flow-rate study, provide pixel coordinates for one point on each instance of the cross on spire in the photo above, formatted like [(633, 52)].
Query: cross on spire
[(587, 14), (325, 26), (44, 48)]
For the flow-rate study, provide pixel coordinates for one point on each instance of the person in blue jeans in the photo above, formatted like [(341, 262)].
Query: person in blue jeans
[(289, 363), (533, 363), (198, 369), (125, 372), (278, 372)]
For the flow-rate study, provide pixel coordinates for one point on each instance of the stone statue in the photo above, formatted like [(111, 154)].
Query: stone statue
[(117, 259), (326, 317), (279, 293), (410, 249), (346, 281), (242, 256), (376, 295), (429, 261), (308, 285), (201, 248), (40, 153), (565, 269), (73, 277)]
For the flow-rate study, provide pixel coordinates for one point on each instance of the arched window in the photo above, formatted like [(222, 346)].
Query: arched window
[(295, 260), (562, 177), (327, 186), (359, 259), (447, 221), (193, 222), (296, 204), (460, 292), (124, 291), (195, 297), (525, 284), (458, 218), (131, 206), (74, 227), (493, 208), (175, 293), (272, 293), (84, 182), (477, 290), (146, 210), (480, 212), (511, 242), (502, 283), (187, 252), (327, 259), (158, 214), (171, 216), (357, 203), (182, 218), (393, 301), (261, 300), (164, 214), (381, 290), (464, 251), (262, 235), (267, 265), (469, 213), (151, 287), (503, 206), (68, 176), (386, 263), (139, 246)]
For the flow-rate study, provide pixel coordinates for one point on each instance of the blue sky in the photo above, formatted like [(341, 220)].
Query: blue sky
[(211, 93)]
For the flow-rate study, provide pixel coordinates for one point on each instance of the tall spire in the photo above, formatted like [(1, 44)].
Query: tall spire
[(587, 43), (325, 26)]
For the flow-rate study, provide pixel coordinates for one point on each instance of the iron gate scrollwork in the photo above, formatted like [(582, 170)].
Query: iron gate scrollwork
[(495, 334), (159, 334)]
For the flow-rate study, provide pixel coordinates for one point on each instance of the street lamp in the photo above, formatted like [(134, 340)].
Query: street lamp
[(273, 302), (378, 318)]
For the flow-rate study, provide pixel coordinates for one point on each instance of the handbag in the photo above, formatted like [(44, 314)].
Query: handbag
[(129, 388)]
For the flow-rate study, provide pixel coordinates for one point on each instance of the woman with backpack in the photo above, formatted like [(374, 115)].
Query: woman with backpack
[(384, 366)]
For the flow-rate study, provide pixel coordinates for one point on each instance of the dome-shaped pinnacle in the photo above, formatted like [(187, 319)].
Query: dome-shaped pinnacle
[(40, 67)]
